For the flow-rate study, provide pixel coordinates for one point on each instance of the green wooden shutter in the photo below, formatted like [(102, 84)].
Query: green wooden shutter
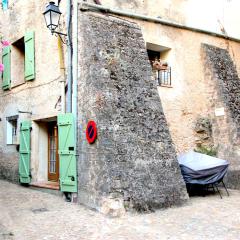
[(6, 60), (67, 153), (25, 153), (29, 56)]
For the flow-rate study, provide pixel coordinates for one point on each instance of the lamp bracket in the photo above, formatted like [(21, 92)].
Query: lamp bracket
[(60, 35)]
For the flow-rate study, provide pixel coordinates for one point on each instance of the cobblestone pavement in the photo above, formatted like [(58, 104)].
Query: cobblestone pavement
[(27, 214)]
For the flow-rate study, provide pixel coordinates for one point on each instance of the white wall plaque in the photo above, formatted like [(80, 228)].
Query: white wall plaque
[(219, 112)]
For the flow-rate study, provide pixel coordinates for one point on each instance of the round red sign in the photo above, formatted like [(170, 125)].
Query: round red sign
[(91, 132)]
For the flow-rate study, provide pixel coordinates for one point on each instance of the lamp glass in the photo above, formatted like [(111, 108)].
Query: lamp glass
[(54, 19), (47, 18)]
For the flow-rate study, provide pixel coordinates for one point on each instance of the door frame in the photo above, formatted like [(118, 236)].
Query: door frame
[(53, 176)]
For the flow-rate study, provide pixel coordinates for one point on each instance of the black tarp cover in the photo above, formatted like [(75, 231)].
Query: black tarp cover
[(198, 168)]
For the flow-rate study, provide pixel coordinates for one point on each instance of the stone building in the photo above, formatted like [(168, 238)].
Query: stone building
[(200, 95), (133, 161)]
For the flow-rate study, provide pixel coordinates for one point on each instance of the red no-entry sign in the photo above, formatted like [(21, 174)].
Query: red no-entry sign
[(91, 132)]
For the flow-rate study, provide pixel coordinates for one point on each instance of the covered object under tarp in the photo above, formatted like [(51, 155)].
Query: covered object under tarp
[(198, 168)]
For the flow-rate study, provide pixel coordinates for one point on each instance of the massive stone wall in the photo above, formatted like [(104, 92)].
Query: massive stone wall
[(227, 78), (225, 93), (133, 160)]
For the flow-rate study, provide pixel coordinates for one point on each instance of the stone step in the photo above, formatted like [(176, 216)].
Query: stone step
[(47, 187)]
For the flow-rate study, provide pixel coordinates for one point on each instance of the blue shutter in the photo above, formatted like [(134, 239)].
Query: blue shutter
[(4, 4)]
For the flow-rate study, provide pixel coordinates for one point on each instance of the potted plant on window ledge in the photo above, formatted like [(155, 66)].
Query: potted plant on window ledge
[(158, 65)]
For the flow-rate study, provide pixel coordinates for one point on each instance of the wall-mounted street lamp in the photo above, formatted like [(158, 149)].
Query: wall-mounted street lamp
[(52, 16)]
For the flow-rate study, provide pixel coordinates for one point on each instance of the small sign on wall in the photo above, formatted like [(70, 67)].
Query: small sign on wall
[(219, 112), (91, 132)]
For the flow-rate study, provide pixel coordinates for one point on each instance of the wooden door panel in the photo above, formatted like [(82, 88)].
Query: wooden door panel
[(53, 159)]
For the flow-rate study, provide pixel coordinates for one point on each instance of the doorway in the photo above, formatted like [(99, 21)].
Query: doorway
[(53, 157)]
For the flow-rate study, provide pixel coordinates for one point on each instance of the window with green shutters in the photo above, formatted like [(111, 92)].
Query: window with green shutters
[(25, 152), (29, 56), (19, 62), (6, 76), (67, 153)]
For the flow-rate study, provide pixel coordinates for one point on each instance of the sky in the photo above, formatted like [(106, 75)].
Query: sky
[(214, 15)]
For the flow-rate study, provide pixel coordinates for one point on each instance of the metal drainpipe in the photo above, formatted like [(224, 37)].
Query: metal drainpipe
[(75, 76), (75, 57), (91, 7), (63, 81), (69, 57)]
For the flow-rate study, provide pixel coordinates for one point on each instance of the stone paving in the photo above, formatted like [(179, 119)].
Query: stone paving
[(27, 214)]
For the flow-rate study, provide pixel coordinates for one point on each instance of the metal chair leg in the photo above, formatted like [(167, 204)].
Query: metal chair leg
[(212, 185), (218, 191), (225, 188)]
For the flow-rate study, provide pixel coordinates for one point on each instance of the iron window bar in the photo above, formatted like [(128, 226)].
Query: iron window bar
[(164, 76)]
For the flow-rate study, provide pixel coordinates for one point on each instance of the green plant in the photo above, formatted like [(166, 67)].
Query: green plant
[(211, 151)]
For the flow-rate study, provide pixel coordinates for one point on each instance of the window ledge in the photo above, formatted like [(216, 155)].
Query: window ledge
[(17, 85), (166, 86)]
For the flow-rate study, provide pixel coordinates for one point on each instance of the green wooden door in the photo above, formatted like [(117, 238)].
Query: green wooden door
[(25, 152), (67, 153)]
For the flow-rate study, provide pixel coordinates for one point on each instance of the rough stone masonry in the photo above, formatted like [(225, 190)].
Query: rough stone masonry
[(133, 162), (226, 133)]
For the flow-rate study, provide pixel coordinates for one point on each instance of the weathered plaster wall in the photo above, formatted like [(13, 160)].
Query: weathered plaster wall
[(187, 100), (219, 15), (134, 158), (38, 96), (191, 95), (171, 10)]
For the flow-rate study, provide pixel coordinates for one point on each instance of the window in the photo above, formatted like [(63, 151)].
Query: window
[(158, 57), (153, 55), (19, 62), (12, 127), (163, 76)]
